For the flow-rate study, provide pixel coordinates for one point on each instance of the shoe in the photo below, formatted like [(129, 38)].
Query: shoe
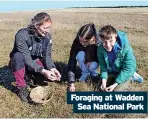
[(137, 78), (84, 77), (23, 94)]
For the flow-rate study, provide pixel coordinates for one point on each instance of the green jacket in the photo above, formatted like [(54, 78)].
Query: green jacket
[(125, 61)]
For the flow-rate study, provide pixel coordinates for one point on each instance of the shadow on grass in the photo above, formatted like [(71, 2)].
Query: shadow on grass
[(63, 69), (91, 81), (6, 76)]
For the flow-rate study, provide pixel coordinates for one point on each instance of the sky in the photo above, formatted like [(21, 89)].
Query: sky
[(6, 6)]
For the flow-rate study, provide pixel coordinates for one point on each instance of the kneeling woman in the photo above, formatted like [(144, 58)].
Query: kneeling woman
[(83, 50), (32, 52)]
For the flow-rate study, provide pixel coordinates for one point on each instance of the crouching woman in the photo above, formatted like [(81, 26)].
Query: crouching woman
[(32, 52), (83, 51)]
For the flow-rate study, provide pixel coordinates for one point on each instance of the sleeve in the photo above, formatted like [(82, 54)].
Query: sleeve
[(72, 62), (22, 47), (128, 66), (47, 59), (101, 59)]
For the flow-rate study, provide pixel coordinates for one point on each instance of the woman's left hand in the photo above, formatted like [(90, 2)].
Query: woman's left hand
[(57, 73)]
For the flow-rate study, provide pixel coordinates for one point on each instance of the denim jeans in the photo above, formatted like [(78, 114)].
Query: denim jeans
[(91, 69)]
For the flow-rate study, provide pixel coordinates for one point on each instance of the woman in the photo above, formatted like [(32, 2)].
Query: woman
[(32, 52), (83, 50)]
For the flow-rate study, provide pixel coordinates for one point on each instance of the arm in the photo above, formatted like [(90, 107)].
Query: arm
[(128, 66), (101, 59), (21, 46), (104, 73), (47, 57), (72, 62)]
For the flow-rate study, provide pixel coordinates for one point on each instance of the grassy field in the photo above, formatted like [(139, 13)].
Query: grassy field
[(66, 23)]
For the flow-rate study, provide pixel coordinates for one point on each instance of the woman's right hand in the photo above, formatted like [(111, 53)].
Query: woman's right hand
[(71, 87), (49, 75), (103, 86)]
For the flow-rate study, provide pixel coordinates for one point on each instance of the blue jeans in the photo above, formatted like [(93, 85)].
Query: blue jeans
[(91, 69)]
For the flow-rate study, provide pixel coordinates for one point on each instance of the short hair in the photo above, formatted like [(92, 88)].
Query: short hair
[(87, 31), (105, 31)]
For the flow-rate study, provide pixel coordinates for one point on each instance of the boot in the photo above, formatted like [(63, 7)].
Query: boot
[(23, 94)]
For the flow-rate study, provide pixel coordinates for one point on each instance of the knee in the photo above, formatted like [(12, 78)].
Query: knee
[(93, 66), (80, 56), (18, 57), (17, 61)]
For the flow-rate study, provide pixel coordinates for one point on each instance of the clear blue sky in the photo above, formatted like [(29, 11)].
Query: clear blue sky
[(36, 5)]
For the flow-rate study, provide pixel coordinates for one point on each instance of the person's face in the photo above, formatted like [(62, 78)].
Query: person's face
[(87, 42), (44, 28), (108, 43)]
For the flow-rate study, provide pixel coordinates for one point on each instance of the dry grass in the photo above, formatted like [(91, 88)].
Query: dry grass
[(66, 23)]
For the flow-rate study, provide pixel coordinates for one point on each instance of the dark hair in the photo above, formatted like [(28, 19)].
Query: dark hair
[(105, 31), (38, 20), (87, 31)]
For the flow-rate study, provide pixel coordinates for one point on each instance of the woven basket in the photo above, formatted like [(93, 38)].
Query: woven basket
[(40, 94)]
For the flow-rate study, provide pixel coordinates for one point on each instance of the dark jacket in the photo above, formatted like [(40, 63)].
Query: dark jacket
[(33, 47), (90, 55)]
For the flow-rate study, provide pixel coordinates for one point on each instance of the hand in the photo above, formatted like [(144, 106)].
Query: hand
[(103, 86), (49, 75), (57, 73), (71, 87), (111, 87)]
